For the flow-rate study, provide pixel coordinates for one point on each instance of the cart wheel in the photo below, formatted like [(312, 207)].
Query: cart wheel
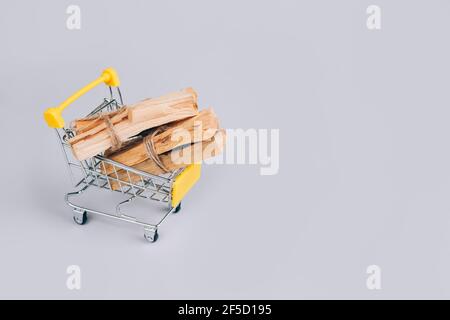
[(151, 236), (80, 217), (177, 209)]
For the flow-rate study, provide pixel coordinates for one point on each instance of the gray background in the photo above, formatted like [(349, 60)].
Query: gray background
[(364, 164)]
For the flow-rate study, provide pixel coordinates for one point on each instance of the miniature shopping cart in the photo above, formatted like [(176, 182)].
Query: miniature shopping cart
[(169, 188)]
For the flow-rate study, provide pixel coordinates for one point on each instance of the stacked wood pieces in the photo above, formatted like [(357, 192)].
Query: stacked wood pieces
[(201, 127), (154, 136), (97, 134), (172, 160)]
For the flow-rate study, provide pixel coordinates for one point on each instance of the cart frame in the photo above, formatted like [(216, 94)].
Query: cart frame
[(168, 188)]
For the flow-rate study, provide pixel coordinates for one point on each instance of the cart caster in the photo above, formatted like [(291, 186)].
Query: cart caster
[(177, 209), (80, 217), (151, 235)]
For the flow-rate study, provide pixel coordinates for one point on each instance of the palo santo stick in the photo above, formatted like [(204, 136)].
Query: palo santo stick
[(98, 138), (199, 128), (152, 108), (175, 98), (93, 125), (192, 153), (86, 124)]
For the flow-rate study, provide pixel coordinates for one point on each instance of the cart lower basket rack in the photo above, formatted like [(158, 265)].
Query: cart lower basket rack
[(169, 188)]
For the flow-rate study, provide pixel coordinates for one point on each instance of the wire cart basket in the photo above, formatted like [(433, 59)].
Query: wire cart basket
[(169, 188)]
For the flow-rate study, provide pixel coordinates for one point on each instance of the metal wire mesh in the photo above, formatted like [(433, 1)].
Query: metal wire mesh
[(118, 177)]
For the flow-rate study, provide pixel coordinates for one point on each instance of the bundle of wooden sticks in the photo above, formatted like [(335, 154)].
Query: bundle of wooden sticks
[(155, 135)]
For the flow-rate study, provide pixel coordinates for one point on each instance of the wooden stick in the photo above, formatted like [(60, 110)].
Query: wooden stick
[(86, 124), (98, 137), (192, 153), (199, 128), (151, 108), (93, 125)]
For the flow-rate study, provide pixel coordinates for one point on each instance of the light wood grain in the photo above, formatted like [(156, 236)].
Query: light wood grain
[(97, 137), (167, 104), (193, 153), (199, 128)]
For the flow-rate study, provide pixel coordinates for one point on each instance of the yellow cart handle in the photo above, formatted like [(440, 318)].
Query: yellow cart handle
[(53, 116)]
